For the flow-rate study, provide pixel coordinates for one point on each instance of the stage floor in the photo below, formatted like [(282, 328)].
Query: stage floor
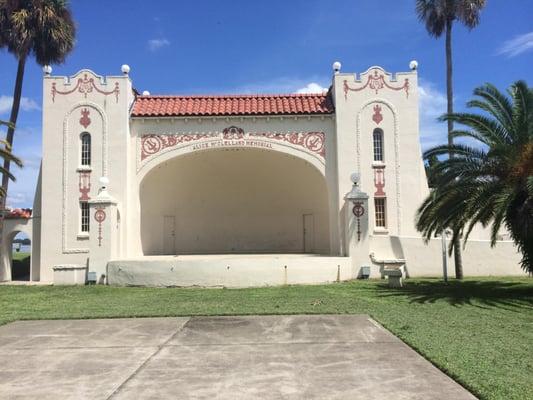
[(229, 270)]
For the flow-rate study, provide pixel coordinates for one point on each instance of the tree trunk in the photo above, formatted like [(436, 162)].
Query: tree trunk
[(449, 94), (17, 95), (449, 84)]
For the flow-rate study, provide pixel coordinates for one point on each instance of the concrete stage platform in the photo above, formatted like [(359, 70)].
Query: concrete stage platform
[(229, 270)]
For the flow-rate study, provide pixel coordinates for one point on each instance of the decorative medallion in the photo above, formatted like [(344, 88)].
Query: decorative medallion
[(232, 133), (99, 217), (379, 181), (85, 86), (377, 117), (85, 121), (376, 82), (152, 144), (84, 185), (358, 210)]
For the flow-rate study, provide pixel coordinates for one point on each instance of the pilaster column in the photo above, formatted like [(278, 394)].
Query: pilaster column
[(103, 235), (357, 233)]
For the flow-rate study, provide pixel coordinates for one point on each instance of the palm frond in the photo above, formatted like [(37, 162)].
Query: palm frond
[(7, 123), (433, 14), (468, 11), (6, 154), (490, 128), (457, 149), (523, 107), (489, 183), (495, 103)]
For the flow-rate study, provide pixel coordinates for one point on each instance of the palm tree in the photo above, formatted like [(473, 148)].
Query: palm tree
[(491, 181), (42, 28), (439, 16)]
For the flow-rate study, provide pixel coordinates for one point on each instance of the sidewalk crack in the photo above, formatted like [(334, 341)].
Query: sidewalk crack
[(136, 372)]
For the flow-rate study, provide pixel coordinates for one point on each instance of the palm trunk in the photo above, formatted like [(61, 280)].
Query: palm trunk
[(17, 95), (449, 94)]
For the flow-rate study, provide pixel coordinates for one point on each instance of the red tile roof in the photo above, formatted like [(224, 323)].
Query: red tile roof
[(13, 213), (278, 104)]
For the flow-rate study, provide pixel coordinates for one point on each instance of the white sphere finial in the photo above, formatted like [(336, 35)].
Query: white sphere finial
[(336, 67), (47, 69), (413, 65), (146, 93), (125, 69), (104, 181), (354, 178)]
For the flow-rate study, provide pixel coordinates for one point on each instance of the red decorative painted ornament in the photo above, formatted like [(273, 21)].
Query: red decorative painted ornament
[(379, 182), (376, 82), (99, 217), (85, 86), (153, 144), (84, 185), (313, 141), (233, 136), (358, 210), (85, 121), (233, 133), (377, 117)]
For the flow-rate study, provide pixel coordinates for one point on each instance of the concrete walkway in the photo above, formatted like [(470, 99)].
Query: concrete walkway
[(257, 357)]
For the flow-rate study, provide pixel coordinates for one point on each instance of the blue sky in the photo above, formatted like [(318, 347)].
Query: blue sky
[(213, 46)]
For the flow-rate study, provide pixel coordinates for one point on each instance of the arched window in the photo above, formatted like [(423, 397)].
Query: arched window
[(85, 149), (378, 144)]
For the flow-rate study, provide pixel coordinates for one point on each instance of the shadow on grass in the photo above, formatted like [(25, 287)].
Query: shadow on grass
[(511, 295), (21, 269)]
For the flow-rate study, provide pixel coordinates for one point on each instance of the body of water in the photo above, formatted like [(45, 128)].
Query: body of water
[(23, 248)]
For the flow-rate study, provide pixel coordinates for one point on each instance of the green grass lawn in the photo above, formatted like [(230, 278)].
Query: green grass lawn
[(21, 256), (480, 331)]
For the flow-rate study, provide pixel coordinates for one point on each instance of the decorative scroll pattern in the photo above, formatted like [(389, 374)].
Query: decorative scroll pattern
[(153, 144), (377, 117), (99, 216), (85, 86), (85, 121), (376, 82), (312, 141), (379, 181), (85, 185), (358, 210), (233, 133)]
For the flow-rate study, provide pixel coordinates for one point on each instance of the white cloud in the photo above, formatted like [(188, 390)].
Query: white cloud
[(432, 104), (22, 191), (312, 87), (156, 44), (284, 85), (517, 45), (26, 104), (17, 199)]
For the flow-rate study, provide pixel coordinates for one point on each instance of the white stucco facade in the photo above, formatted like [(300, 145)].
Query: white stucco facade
[(238, 199)]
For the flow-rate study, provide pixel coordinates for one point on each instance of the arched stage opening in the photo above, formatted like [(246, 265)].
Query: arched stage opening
[(234, 201)]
